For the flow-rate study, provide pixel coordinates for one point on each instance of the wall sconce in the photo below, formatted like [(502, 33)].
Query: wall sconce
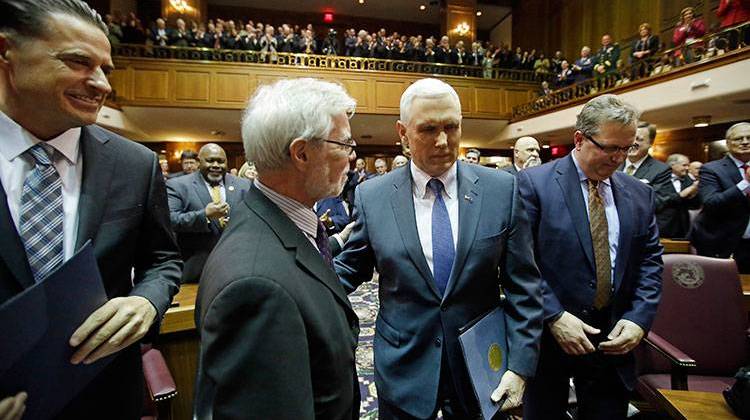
[(180, 5), (462, 29)]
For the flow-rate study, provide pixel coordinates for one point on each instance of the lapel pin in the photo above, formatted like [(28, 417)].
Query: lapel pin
[(469, 199), (231, 188)]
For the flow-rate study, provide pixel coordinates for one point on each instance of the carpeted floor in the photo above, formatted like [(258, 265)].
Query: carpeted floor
[(365, 304)]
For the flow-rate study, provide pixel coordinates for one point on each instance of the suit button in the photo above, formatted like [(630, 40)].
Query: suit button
[(444, 307), (592, 285), (438, 342), (585, 312)]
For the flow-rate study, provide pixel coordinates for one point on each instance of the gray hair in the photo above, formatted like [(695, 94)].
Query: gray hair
[(30, 18), (605, 109), (735, 127), (675, 158), (425, 89), (286, 110)]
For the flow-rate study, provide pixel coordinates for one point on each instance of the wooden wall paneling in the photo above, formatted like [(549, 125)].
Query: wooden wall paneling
[(358, 90), (388, 96), (151, 84), (118, 79), (487, 101), (514, 97), (466, 95), (192, 86), (232, 88)]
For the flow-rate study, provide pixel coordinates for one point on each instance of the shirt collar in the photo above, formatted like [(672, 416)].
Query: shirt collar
[(420, 179), (737, 162), (581, 175), (637, 163), (17, 140), (303, 217)]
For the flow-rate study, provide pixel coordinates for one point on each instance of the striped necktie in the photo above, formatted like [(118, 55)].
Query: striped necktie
[(630, 170), (600, 241), (443, 250), (41, 222), (216, 198)]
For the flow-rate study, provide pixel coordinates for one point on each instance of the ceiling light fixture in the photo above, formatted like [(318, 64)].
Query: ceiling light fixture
[(701, 121), (422, 7), (545, 146), (479, 13), (361, 1), (462, 29)]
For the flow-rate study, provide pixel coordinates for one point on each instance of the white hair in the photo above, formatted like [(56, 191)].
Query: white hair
[(676, 158), (286, 110), (425, 89)]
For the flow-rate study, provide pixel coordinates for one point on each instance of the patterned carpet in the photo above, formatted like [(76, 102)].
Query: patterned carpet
[(365, 304)]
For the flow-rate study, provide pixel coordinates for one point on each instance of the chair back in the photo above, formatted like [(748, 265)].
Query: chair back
[(702, 313)]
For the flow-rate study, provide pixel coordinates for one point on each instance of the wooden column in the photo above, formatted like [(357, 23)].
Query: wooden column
[(457, 16), (188, 10)]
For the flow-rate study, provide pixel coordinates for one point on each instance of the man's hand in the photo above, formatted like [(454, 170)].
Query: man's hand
[(512, 386), (570, 333), (115, 325), (216, 211), (344, 234), (623, 338), (690, 191), (12, 408)]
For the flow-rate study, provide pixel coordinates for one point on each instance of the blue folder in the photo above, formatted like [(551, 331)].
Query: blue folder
[(36, 325), (485, 348)]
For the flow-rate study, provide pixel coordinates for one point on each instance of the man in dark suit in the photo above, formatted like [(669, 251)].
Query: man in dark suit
[(69, 181), (189, 163), (277, 331), (722, 228), (200, 207), (650, 171), (598, 251), (674, 217), (525, 155), (435, 280)]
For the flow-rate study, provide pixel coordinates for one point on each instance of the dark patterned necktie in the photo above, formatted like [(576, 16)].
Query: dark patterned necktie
[(41, 221), (443, 250), (321, 240), (600, 241)]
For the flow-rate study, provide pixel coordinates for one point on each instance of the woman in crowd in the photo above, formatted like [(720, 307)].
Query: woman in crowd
[(688, 30), (644, 49)]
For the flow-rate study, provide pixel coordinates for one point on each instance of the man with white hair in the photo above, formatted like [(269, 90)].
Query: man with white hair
[(525, 155), (278, 333), (445, 236), (381, 167), (399, 161)]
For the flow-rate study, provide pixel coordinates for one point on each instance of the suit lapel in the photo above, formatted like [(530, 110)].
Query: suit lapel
[(567, 179), (642, 171), (233, 192), (469, 209), (307, 257), (403, 209), (11, 247), (730, 168), (625, 216), (98, 167)]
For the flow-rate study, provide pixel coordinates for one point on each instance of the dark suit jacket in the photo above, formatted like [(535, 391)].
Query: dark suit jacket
[(674, 217), (188, 197), (123, 210), (657, 174), (564, 251), (278, 334), (414, 322), (718, 229), (511, 169), (337, 213)]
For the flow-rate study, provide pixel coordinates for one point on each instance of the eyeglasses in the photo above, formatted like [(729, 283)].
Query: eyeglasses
[(739, 139), (611, 150), (348, 145)]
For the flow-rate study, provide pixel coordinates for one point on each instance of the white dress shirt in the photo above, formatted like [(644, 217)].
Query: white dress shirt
[(423, 200), (15, 166), (676, 183), (610, 210), (744, 187), (637, 164)]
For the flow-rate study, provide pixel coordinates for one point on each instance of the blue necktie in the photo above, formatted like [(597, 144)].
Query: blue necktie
[(41, 221), (443, 251)]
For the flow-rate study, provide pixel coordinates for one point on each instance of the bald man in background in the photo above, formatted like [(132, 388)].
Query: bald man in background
[(694, 169), (525, 155), (200, 205)]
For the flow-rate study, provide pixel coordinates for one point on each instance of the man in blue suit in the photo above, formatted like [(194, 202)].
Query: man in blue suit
[(445, 237), (597, 246)]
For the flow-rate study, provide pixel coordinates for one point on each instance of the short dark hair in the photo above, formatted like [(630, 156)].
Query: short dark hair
[(651, 130), (188, 154), (28, 18)]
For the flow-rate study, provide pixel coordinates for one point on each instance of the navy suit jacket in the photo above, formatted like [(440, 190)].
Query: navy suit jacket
[(658, 175), (415, 322), (564, 251), (337, 213), (718, 229), (188, 197)]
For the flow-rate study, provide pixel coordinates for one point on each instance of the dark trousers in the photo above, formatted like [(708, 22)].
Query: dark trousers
[(447, 401), (742, 256), (600, 392)]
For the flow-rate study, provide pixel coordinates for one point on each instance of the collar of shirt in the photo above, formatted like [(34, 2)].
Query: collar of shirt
[(737, 162), (581, 175), (17, 140), (302, 216), (420, 179), (637, 163)]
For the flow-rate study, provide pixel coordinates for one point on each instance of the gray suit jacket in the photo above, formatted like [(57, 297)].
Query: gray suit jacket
[(123, 210), (188, 197), (278, 333), (494, 254)]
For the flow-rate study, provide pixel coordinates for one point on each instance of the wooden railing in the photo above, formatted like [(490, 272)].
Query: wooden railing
[(323, 61), (693, 54)]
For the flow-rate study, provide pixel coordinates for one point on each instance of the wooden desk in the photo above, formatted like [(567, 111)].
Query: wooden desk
[(693, 405), (178, 342), (745, 279), (675, 247)]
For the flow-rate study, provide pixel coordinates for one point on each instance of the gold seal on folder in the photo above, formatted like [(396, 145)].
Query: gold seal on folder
[(495, 357)]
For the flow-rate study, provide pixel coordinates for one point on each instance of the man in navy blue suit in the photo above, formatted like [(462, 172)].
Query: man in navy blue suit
[(723, 226), (445, 237), (597, 247)]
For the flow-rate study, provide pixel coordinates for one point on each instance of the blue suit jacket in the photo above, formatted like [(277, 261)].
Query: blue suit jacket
[(415, 322), (337, 213), (564, 251)]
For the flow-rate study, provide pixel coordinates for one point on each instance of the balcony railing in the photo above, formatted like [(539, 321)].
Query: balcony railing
[(694, 53), (323, 62)]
